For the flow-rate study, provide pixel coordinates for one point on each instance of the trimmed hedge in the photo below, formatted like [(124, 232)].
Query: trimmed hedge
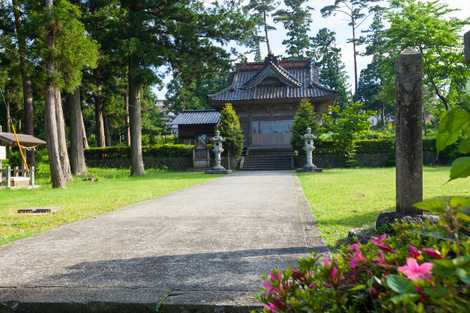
[(172, 156), (373, 146), (155, 151)]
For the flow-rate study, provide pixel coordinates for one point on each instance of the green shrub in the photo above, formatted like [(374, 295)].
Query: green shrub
[(304, 118), (418, 267), (230, 129)]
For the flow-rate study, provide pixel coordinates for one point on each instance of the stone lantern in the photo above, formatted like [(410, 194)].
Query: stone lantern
[(309, 147), (218, 149)]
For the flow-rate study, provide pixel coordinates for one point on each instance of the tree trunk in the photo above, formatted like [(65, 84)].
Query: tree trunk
[(26, 80), (137, 163), (266, 33), (107, 130), (57, 176), (85, 140), (64, 155), (99, 123), (353, 22), (128, 128), (7, 115), (77, 152)]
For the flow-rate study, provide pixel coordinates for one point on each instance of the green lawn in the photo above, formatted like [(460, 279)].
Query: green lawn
[(84, 199), (342, 199)]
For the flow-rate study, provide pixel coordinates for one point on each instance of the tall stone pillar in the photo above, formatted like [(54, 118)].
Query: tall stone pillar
[(408, 128)]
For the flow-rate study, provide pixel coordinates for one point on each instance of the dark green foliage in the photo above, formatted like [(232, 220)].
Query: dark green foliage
[(259, 11), (356, 12), (157, 151), (296, 19), (229, 127), (372, 90), (328, 59), (186, 92), (304, 117)]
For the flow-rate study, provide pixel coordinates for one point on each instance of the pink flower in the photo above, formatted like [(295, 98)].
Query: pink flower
[(355, 247), (334, 274), (274, 306), (271, 307), (413, 252), (432, 253), (380, 259), (356, 259), (379, 242), (270, 289), (414, 271), (326, 262), (312, 286)]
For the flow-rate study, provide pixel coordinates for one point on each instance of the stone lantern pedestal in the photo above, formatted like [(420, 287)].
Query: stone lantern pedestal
[(218, 149), (309, 147)]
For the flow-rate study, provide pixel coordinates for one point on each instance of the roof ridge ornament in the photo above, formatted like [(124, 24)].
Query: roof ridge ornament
[(271, 58)]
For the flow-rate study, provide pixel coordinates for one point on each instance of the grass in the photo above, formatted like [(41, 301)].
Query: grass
[(84, 199), (342, 199)]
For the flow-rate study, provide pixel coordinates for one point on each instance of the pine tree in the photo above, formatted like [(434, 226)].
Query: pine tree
[(260, 10), (357, 11), (372, 79), (296, 19), (152, 39), (328, 59)]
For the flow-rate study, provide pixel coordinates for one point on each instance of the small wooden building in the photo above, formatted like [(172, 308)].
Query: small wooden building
[(196, 127)]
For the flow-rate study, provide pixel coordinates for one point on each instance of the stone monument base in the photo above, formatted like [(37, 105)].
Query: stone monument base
[(310, 169), (218, 170)]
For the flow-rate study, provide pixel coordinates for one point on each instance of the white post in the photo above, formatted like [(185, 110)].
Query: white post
[(9, 176), (33, 176)]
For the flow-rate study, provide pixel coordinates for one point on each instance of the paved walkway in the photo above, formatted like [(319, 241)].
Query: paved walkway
[(205, 245)]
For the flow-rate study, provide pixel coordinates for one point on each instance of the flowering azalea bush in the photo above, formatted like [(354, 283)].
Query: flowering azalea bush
[(423, 267)]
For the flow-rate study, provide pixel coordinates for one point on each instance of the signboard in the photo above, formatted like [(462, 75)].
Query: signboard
[(3, 153)]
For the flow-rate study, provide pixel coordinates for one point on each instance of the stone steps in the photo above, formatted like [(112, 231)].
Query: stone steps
[(268, 160)]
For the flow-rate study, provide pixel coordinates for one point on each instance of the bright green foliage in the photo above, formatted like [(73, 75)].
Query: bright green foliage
[(345, 126), (74, 50), (296, 19), (455, 126), (229, 127), (328, 59), (429, 27), (304, 117)]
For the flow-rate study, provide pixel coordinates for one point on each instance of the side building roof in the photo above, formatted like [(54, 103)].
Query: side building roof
[(198, 117)]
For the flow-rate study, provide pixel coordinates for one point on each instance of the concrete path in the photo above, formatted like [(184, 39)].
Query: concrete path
[(207, 245)]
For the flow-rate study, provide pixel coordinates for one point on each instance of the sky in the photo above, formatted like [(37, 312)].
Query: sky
[(338, 24)]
